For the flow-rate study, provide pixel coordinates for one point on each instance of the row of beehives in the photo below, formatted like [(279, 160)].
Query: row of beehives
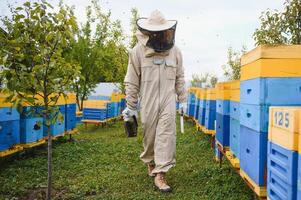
[(26, 128), (252, 123)]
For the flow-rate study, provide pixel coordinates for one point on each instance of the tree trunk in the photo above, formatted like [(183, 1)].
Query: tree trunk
[(49, 181), (49, 155)]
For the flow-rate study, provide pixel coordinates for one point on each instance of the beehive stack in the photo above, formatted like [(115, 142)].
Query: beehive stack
[(223, 113), (210, 113), (202, 112), (234, 118), (95, 110), (70, 117), (191, 102), (283, 145), (197, 104), (270, 76), (31, 125), (9, 125)]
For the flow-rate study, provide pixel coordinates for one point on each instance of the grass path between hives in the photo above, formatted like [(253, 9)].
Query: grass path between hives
[(103, 164)]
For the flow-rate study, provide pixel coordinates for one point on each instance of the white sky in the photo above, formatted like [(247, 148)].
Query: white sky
[(205, 28)]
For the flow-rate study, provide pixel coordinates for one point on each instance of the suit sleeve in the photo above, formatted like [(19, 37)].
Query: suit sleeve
[(180, 79), (132, 81)]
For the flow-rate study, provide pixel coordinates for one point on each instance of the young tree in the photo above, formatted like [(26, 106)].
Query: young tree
[(203, 80), (100, 53), (280, 27), (232, 68), (34, 69)]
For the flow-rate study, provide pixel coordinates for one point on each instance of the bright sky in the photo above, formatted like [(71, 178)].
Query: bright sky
[(205, 28)]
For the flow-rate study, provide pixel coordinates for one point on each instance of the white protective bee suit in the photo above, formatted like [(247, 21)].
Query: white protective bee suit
[(157, 80)]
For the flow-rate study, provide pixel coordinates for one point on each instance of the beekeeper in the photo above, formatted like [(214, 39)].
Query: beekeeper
[(155, 76)]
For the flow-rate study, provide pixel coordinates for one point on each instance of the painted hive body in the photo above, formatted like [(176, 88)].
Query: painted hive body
[(9, 124), (253, 156), (222, 129), (235, 137), (9, 134), (31, 125), (70, 117), (223, 91), (234, 110)]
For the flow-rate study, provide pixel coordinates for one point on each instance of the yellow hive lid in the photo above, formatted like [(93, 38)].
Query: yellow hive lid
[(271, 52)]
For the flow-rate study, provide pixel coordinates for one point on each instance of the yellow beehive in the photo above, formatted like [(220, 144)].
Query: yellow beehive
[(284, 127), (272, 61), (223, 90), (235, 91), (97, 104), (211, 94)]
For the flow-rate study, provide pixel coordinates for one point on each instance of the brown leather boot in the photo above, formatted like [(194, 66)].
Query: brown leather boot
[(150, 168), (161, 183)]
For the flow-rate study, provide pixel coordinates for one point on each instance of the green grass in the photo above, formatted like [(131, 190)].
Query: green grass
[(103, 164)]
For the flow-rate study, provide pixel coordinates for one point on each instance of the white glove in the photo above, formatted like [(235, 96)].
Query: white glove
[(129, 113)]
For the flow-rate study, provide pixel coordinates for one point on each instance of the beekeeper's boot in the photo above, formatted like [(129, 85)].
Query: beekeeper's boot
[(151, 167), (161, 183)]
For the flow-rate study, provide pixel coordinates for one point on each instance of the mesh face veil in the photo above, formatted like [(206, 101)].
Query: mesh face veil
[(160, 40)]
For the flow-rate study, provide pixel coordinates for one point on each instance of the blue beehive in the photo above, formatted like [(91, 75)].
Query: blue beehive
[(70, 117), (9, 134), (265, 91), (210, 116), (253, 154), (94, 114), (58, 128), (235, 137), (222, 129), (31, 124), (31, 130), (9, 127), (191, 104)]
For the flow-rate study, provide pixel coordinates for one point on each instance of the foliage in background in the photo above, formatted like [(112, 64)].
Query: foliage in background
[(33, 65), (232, 68), (134, 28), (203, 80), (280, 27), (99, 50)]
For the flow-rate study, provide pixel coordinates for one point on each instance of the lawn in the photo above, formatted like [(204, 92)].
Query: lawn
[(101, 163)]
